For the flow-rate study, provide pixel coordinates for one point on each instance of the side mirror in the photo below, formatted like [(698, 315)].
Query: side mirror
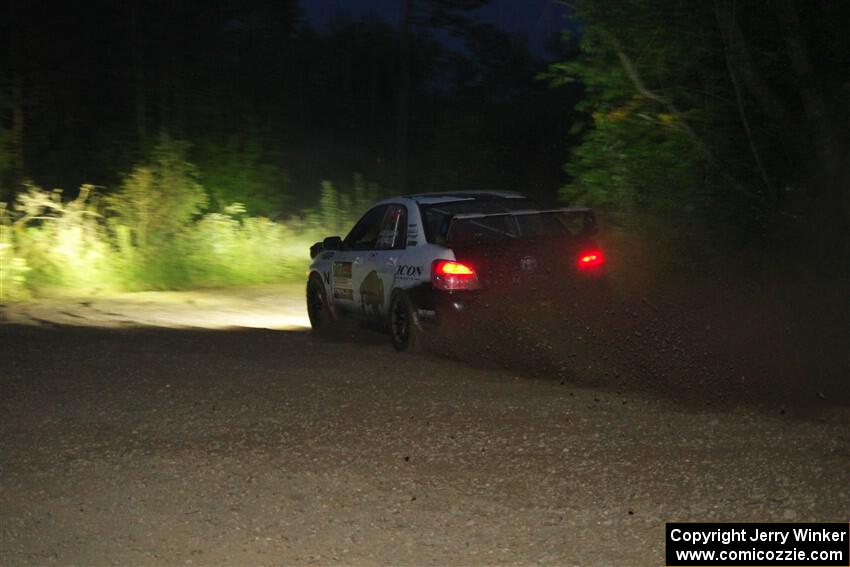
[(332, 243), (329, 243)]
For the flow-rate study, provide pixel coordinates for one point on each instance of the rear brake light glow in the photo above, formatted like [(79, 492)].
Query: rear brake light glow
[(449, 275), (591, 259), (454, 269)]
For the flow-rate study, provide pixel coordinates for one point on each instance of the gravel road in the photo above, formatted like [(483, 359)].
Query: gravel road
[(261, 447)]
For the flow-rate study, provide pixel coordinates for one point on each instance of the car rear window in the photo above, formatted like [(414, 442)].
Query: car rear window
[(505, 226), (465, 222), (438, 217)]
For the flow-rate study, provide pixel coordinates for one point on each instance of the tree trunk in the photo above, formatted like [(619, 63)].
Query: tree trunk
[(374, 77), (138, 75), (822, 129), (403, 117), (177, 126), (830, 170), (17, 145), (774, 107), (742, 112)]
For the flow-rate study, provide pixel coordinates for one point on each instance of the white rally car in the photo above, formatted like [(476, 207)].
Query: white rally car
[(417, 262)]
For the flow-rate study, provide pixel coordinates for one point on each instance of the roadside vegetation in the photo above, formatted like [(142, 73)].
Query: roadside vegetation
[(158, 230), (716, 130)]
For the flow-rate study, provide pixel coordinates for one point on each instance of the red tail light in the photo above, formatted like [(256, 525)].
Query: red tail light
[(450, 276), (591, 259)]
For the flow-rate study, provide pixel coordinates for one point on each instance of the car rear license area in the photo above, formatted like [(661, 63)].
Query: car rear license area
[(524, 248)]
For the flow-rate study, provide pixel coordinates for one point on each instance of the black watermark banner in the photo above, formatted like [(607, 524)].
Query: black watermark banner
[(758, 545)]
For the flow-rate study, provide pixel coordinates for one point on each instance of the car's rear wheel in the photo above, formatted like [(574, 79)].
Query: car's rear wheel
[(318, 307), (404, 327)]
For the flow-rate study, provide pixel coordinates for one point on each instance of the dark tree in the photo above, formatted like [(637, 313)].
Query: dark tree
[(727, 114)]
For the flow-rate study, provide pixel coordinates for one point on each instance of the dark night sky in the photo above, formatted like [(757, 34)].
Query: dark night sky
[(536, 19)]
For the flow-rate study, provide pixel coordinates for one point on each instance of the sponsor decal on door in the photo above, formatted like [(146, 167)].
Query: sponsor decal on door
[(343, 288)]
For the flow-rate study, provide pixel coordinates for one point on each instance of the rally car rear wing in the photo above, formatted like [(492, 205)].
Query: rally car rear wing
[(571, 217)]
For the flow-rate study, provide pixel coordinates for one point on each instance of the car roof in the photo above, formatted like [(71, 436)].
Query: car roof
[(452, 196)]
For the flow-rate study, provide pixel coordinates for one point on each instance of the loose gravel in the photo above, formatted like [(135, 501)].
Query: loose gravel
[(260, 447)]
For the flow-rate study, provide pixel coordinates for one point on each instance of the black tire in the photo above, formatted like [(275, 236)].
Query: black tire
[(404, 325), (322, 320)]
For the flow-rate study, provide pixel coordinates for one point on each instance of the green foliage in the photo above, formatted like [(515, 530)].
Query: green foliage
[(48, 244), (714, 122), (13, 268), (159, 198), (151, 234), (626, 164), (152, 210), (230, 248), (238, 170), (652, 158), (339, 209), (63, 244)]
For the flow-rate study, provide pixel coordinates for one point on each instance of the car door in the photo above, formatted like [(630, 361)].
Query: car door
[(374, 276), (347, 270)]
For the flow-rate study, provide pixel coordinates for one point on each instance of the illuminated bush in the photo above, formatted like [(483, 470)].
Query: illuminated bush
[(13, 268), (240, 169), (46, 244), (151, 214), (340, 209), (231, 248), (152, 234), (58, 244), (158, 199)]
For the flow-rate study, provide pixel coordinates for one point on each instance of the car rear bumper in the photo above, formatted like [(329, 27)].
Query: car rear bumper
[(437, 308), (440, 309)]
